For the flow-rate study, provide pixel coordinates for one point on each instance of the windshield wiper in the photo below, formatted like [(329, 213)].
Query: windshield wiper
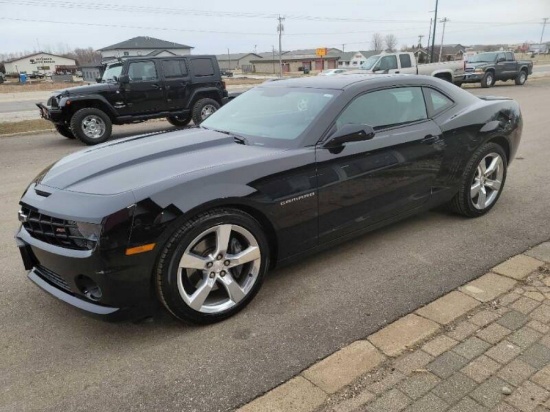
[(239, 139)]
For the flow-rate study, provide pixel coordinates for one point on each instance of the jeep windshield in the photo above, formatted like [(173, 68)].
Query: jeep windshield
[(271, 116), (483, 57), (112, 73)]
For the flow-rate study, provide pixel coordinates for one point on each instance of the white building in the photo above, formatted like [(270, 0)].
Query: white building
[(43, 63), (144, 46)]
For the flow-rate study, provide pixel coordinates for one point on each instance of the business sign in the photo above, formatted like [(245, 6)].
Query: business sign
[(321, 51), (40, 60)]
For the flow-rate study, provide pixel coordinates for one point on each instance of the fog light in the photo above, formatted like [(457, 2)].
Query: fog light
[(89, 288)]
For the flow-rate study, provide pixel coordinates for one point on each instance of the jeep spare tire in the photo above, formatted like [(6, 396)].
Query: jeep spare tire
[(92, 126), (204, 108)]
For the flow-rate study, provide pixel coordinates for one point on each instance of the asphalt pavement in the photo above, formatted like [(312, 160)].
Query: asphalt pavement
[(54, 358)]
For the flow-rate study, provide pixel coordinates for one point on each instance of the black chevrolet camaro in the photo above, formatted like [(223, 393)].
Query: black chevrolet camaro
[(194, 218)]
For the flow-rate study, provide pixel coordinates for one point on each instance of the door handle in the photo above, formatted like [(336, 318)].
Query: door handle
[(430, 139), (397, 72), (156, 86)]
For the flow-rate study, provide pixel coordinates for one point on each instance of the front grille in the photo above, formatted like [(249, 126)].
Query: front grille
[(469, 69), (54, 231), (53, 278), (52, 102)]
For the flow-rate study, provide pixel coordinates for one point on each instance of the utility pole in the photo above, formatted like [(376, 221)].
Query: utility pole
[(273, 57), (343, 47), (444, 21), (429, 37), (280, 29), (255, 46), (433, 34), (420, 36), (543, 26), (228, 58)]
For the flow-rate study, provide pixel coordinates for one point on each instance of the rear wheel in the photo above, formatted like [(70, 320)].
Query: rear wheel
[(488, 79), (91, 126), (212, 266), (64, 131), (521, 78), (204, 108), (179, 121), (482, 181)]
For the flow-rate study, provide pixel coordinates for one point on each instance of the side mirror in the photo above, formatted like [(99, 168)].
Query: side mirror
[(123, 79), (349, 133), (500, 59)]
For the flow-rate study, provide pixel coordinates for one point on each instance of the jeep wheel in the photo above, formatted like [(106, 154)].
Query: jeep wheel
[(204, 108), (91, 126), (64, 131), (179, 121)]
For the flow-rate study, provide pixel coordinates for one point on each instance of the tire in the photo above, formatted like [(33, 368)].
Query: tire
[(204, 108), (216, 274), (488, 79), (466, 202), (521, 78), (179, 121), (64, 131), (95, 121)]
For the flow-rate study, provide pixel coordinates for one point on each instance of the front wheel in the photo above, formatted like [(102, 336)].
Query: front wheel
[(488, 80), (482, 181), (64, 131), (179, 121), (521, 78), (213, 266), (91, 126), (204, 108)]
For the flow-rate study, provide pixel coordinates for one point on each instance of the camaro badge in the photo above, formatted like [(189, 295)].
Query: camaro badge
[(294, 199)]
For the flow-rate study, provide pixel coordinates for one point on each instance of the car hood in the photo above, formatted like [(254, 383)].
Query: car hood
[(88, 89), (140, 161)]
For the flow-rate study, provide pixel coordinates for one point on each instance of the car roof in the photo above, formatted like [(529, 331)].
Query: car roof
[(338, 82)]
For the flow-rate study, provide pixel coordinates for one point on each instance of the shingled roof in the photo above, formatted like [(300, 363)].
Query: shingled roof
[(143, 42)]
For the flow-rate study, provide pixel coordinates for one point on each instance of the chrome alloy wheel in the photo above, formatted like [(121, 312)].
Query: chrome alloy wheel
[(207, 111), (487, 181), (219, 268), (522, 77), (93, 126)]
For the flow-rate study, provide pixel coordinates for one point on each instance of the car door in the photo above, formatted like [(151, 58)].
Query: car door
[(176, 79), (370, 181), (511, 65), (500, 66), (144, 92)]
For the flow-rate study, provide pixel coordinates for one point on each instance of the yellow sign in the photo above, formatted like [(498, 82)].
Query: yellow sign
[(321, 51)]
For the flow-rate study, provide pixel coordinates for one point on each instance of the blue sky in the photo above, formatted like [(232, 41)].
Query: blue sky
[(242, 26)]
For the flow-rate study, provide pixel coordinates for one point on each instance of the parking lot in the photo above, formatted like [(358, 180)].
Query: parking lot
[(54, 358)]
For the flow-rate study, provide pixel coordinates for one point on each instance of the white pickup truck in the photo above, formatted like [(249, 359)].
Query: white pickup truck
[(405, 62)]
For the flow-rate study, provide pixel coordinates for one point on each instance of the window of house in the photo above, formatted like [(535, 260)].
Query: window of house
[(386, 108), (126, 53)]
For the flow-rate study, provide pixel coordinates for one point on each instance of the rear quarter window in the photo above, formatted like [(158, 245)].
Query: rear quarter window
[(437, 102), (202, 67)]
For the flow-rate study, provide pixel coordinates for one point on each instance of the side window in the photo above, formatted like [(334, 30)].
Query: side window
[(405, 60), (142, 71), (385, 108), (174, 68), (510, 56), (388, 63), (500, 56), (437, 102), (202, 67)]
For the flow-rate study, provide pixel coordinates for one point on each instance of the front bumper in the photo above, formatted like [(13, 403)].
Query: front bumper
[(125, 282), (52, 114), (472, 77)]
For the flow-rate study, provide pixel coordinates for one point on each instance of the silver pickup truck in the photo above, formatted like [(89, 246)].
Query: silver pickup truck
[(405, 62)]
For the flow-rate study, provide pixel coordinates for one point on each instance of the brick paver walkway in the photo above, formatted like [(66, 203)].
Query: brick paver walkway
[(495, 358)]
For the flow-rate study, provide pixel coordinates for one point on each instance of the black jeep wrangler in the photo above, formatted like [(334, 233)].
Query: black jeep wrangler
[(181, 88)]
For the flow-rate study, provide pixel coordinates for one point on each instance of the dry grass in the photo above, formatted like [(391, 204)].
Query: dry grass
[(35, 86), (25, 126)]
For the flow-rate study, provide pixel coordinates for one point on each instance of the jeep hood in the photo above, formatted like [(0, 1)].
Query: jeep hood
[(86, 90), (140, 161)]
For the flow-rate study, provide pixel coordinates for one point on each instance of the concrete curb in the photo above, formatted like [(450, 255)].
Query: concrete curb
[(307, 391), (27, 133)]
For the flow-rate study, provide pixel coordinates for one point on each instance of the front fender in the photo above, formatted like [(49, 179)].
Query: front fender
[(91, 98)]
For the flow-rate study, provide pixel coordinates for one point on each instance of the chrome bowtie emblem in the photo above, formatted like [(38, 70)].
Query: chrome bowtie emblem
[(23, 218)]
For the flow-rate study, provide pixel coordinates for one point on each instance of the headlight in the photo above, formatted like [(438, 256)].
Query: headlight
[(479, 71), (85, 234)]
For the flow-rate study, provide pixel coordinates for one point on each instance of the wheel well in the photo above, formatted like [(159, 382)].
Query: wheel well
[(444, 76), (523, 69), (206, 95), (501, 141), (75, 106)]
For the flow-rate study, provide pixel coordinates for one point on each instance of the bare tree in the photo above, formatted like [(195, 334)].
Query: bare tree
[(377, 42), (391, 42), (87, 56)]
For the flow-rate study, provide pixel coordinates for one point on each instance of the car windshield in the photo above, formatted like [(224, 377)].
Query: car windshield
[(112, 71), (271, 116), (369, 63), (483, 57)]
